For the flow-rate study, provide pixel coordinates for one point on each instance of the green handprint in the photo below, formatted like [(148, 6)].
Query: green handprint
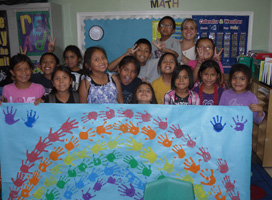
[(98, 147), (57, 169), (112, 144), (135, 146), (148, 154), (144, 170), (83, 153), (62, 182), (39, 193), (72, 173), (167, 166), (131, 161), (52, 195), (49, 181), (97, 161), (84, 165), (70, 158), (112, 156)]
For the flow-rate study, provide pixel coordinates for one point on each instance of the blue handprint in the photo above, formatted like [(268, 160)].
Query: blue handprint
[(80, 184), (95, 174), (108, 171), (239, 125), (217, 124), (31, 118), (69, 193), (9, 116)]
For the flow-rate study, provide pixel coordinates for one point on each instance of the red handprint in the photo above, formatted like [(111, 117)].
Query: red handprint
[(211, 179), (14, 193), (205, 154), (44, 164), (233, 196), (121, 127), (41, 145), (53, 137), (165, 141), (177, 131), (91, 115), (71, 144), (26, 190), (228, 185), (134, 130), (144, 117), (161, 124), (84, 135), (149, 132), (127, 113), (191, 166), (222, 166), (33, 156), (189, 142), (19, 180), (26, 166), (107, 115), (54, 155), (67, 126), (35, 178), (103, 130), (179, 150)]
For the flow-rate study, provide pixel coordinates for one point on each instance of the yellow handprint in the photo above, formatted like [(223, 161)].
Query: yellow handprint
[(49, 181), (112, 144), (135, 146), (186, 177), (200, 193), (70, 158), (57, 169), (148, 154), (83, 153), (167, 166), (39, 193), (98, 147)]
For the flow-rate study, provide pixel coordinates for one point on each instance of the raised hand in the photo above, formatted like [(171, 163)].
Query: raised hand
[(160, 45), (23, 51), (31, 118), (9, 116), (51, 44), (217, 56)]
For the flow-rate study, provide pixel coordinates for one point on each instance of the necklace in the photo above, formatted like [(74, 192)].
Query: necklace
[(215, 94)]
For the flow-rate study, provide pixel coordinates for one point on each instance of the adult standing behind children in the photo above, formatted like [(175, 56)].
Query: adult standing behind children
[(142, 52), (166, 43), (188, 33)]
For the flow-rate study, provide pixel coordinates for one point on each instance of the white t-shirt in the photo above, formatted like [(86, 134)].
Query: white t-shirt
[(149, 70), (170, 43)]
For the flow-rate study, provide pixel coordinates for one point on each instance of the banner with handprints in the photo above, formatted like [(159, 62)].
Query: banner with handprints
[(81, 151)]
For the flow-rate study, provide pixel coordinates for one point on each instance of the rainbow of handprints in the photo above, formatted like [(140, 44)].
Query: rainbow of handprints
[(113, 151)]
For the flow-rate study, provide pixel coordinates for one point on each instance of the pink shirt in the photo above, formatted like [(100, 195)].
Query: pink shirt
[(192, 64), (28, 95)]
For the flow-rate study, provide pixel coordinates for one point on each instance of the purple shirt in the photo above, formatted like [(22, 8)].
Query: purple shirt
[(208, 98), (231, 98)]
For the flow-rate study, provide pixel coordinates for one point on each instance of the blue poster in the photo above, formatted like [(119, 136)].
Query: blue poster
[(83, 151), (228, 32)]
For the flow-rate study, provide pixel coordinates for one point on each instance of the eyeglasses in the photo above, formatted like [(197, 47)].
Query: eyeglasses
[(205, 48), (166, 26)]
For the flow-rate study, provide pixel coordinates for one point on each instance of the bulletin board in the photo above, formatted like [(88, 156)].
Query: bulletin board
[(118, 31)]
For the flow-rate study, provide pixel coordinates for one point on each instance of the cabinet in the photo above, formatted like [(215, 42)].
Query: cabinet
[(262, 133)]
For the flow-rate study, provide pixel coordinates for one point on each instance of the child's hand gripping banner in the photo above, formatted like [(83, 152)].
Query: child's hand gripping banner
[(83, 151)]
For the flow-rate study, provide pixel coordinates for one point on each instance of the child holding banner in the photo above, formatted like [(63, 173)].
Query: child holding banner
[(97, 86), (210, 76), (22, 90), (181, 83), (166, 66), (239, 94)]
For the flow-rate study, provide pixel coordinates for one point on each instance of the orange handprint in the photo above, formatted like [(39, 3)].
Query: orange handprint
[(44, 164), (211, 180), (71, 144), (84, 135), (191, 166), (134, 130), (102, 130), (35, 178), (165, 141), (26, 190), (121, 127), (54, 155), (149, 132), (218, 193), (179, 150)]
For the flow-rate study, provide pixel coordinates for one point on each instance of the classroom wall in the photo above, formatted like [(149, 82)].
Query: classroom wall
[(261, 9)]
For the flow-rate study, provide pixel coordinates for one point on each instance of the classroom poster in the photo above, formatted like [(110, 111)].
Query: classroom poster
[(80, 151), (33, 31), (228, 32), (4, 50)]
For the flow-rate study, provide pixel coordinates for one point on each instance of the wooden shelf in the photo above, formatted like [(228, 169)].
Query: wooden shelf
[(262, 133)]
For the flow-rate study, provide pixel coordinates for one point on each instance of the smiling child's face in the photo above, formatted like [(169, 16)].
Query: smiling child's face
[(143, 53), (127, 73)]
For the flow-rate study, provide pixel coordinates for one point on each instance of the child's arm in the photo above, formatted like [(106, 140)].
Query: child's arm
[(162, 48), (119, 89), (184, 59), (113, 66), (256, 108), (37, 101), (83, 91)]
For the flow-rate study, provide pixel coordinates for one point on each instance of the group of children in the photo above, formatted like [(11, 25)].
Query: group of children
[(165, 72)]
